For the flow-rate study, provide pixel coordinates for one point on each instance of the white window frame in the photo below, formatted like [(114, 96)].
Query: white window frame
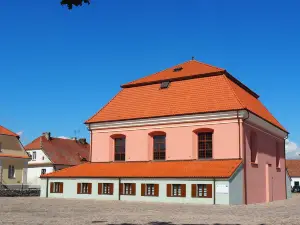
[(106, 188), (42, 171), (56, 187), (11, 172), (128, 189), (176, 190), (84, 188), (33, 158), (202, 188), (150, 189)]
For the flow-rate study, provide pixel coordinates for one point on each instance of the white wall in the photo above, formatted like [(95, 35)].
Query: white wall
[(236, 187), (295, 179), (40, 157), (288, 186), (70, 190), (34, 173)]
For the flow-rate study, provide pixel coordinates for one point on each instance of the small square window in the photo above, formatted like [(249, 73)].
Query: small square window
[(43, 171)]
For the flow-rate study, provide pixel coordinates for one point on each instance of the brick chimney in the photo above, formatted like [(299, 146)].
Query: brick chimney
[(47, 135), (82, 141)]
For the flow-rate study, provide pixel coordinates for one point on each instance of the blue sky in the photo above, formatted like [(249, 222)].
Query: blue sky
[(58, 67)]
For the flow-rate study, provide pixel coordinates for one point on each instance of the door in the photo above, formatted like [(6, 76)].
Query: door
[(269, 184)]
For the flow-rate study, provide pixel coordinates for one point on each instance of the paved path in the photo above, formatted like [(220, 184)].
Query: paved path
[(41, 211)]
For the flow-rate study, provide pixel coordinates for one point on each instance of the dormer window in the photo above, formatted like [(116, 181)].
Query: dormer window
[(177, 69), (164, 84)]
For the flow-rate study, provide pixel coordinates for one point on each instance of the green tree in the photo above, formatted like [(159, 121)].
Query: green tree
[(71, 3)]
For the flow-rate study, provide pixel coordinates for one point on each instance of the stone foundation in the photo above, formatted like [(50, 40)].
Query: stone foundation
[(19, 193)]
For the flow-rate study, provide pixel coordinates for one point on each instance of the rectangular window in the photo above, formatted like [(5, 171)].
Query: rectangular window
[(150, 190), (0, 147), (159, 147), (33, 156), (84, 188), (128, 189), (202, 190), (56, 187), (106, 189), (43, 171), (119, 149), (205, 145), (176, 190), (11, 172), (296, 183)]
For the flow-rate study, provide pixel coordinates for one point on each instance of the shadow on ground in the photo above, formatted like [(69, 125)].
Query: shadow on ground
[(169, 223)]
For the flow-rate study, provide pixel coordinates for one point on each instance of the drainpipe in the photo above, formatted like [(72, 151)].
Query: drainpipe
[(244, 159), (285, 166), (214, 191), (237, 115), (119, 194), (47, 187)]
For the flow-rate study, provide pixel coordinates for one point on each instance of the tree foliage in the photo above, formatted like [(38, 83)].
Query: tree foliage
[(71, 3)]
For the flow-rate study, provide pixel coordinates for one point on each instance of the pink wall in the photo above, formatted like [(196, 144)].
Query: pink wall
[(181, 141), (257, 175)]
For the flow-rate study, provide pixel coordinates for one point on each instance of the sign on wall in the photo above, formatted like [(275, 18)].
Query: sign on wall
[(222, 189)]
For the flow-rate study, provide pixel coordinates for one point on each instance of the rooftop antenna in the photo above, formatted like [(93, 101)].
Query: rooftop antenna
[(76, 132), (193, 57)]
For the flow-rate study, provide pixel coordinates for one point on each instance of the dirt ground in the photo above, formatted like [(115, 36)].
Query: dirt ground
[(38, 211)]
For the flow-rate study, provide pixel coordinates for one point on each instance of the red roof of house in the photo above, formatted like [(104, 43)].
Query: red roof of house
[(293, 167), (61, 151), (195, 168), (196, 88), (6, 131)]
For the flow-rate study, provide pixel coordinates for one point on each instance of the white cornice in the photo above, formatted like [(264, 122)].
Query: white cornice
[(168, 120)]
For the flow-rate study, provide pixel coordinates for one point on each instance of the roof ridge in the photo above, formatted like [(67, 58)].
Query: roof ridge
[(207, 64), (230, 86), (86, 122)]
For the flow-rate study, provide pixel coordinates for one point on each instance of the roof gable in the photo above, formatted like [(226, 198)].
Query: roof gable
[(293, 167), (61, 151), (6, 131), (185, 70)]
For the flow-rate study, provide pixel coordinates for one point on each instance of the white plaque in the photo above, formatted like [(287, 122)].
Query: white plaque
[(222, 189)]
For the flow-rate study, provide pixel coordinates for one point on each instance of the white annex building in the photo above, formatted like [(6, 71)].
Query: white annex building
[(293, 168), (50, 154)]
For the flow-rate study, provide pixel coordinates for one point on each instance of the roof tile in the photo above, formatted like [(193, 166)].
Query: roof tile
[(195, 168), (293, 167), (6, 131)]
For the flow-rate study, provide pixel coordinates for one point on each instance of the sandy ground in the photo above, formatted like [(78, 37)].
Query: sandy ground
[(37, 211)]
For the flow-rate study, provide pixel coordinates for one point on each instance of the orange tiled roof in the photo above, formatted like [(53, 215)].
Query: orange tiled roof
[(5, 131), (195, 168), (293, 167), (61, 151), (14, 156), (197, 88)]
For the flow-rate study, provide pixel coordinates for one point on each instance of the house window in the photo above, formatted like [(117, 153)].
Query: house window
[(202, 190), (128, 189), (150, 189), (43, 171), (277, 155), (33, 156), (0, 147), (56, 187), (296, 183), (176, 190), (205, 145), (84, 188), (11, 172), (120, 149), (253, 147), (106, 189), (159, 147)]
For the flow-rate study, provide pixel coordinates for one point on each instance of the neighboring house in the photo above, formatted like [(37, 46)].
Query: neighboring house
[(13, 160), (288, 185), (191, 133), (293, 167), (50, 154)]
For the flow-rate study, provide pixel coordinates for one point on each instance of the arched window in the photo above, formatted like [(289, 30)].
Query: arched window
[(253, 146), (205, 143), (159, 145), (119, 147)]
